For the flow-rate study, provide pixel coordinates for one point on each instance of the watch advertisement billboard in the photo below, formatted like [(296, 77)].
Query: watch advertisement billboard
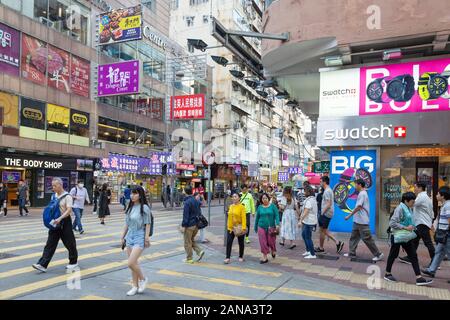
[(409, 87), (189, 107), (9, 50), (120, 25), (121, 78), (345, 168)]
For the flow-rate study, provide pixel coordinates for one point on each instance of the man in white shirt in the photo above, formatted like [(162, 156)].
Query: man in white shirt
[(361, 228), (80, 195), (64, 232), (423, 220)]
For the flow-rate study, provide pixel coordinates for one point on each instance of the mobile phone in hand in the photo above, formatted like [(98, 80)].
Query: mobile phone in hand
[(124, 244)]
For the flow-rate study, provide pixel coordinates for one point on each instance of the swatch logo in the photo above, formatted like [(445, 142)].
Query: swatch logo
[(400, 132)]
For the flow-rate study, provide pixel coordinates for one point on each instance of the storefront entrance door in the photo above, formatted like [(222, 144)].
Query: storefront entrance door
[(427, 172)]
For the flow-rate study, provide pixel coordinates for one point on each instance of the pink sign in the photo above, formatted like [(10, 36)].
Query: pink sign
[(405, 88), (119, 78)]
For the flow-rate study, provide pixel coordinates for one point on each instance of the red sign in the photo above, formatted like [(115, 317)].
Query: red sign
[(187, 107), (400, 132), (34, 59), (152, 107), (185, 166), (80, 76), (58, 69), (311, 174)]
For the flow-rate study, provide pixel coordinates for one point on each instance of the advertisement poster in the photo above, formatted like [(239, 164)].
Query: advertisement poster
[(58, 69), (152, 107), (9, 50), (405, 88), (80, 70), (48, 184), (11, 176), (10, 105), (119, 78), (58, 115), (120, 25), (34, 59), (188, 107), (32, 114), (346, 168)]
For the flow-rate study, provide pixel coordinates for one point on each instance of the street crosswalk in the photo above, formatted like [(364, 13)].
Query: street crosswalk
[(104, 273)]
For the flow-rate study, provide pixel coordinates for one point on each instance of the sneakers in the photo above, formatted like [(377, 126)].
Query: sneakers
[(339, 247), (404, 260), (82, 231), (200, 256), (142, 285), (350, 255), (226, 261), (310, 257), (247, 240), (423, 282), (378, 258), (38, 267), (307, 253), (71, 266), (390, 278), (133, 291), (190, 261), (319, 250), (428, 273)]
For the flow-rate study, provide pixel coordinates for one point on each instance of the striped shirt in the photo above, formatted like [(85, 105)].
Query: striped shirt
[(444, 216)]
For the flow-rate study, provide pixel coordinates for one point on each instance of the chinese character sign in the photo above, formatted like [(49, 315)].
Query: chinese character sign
[(58, 69), (283, 176), (80, 76), (9, 50), (120, 25), (161, 157), (119, 78), (188, 107)]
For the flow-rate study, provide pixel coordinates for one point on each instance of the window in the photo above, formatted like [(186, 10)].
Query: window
[(153, 62), (151, 4), (79, 123), (190, 21), (13, 4), (107, 129), (58, 118), (205, 19), (197, 2)]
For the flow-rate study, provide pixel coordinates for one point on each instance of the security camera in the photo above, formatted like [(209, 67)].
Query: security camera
[(220, 60), (198, 44)]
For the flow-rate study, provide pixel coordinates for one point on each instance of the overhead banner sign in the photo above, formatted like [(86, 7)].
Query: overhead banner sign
[(9, 50), (346, 168), (120, 25), (190, 107), (120, 78), (409, 87)]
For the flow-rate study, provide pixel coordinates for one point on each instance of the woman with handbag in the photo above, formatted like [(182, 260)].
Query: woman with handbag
[(289, 229), (236, 226), (267, 226), (403, 234)]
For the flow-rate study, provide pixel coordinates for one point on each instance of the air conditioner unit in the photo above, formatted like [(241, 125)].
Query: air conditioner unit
[(47, 22)]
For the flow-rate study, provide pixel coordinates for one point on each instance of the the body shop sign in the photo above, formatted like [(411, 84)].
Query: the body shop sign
[(188, 107), (119, 78), (32, 162), (389, 89), (9, 50)]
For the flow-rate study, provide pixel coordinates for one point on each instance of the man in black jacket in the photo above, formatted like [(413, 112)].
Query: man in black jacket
[(191, 212)]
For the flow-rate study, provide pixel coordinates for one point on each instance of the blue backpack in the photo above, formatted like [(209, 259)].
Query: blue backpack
[(52, 211)]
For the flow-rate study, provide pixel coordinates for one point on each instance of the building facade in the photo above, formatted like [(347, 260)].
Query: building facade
[(376, 78)]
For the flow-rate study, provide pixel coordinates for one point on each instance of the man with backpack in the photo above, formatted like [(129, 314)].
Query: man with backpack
[(191, 213), (80, 195), (57, 219)]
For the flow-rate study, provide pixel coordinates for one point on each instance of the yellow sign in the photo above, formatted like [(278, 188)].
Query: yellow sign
[(79, 119), (32, 114), (57, 114), (10, 105)]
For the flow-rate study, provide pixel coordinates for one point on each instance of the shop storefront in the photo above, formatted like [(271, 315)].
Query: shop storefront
[(388, 125), (39, 171)]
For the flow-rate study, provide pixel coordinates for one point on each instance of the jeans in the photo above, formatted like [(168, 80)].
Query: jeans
[(189, 244), (65, 233), (362, 231), (22, 206), (230, 239), (307, 237), (441, 250), (410, 249), (423, 232), (135, 238), (77, 222)]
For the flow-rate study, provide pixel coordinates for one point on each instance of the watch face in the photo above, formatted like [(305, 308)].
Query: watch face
[(395, 89), (340, 193), (365, 176), (438, 86), (375, 91), (410, 88), (347, 175)]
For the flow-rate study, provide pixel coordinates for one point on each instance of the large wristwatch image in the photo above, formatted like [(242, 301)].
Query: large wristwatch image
[(401, 88), (433, 85), (343, 190), (375, 89)]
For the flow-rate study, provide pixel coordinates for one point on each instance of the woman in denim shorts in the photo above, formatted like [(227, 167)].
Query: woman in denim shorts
[(136, 237)]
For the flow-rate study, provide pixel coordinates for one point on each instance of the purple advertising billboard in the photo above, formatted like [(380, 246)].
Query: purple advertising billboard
[(120, 78), (9, 50), (122, 163)]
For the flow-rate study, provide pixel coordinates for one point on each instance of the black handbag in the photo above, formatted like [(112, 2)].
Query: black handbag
[(201, 221), (440, 236)]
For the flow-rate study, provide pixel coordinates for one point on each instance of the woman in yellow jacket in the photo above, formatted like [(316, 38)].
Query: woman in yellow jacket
[(236, 227)]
